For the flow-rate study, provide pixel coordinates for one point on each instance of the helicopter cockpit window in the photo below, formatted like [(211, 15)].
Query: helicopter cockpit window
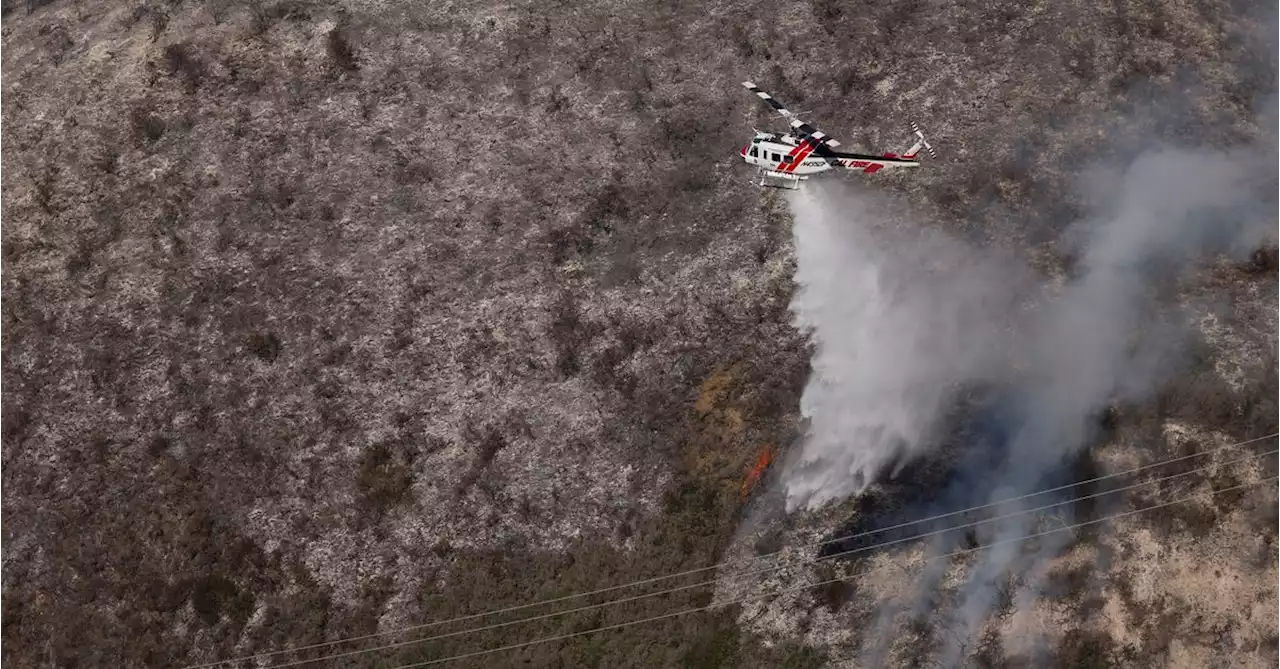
[(755, 151)]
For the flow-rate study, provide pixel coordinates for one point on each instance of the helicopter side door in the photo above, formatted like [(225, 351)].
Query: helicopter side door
[(766, 157)]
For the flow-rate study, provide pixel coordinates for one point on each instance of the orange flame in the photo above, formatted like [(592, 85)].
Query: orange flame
[(762, 463)]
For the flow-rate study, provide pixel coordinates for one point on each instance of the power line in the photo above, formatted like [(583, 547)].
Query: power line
[(614, 602), (656, 579), (708, 607)]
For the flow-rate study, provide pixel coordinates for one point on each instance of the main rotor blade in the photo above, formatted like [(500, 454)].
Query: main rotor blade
[(800, 127), (769, 100), (827, 154)]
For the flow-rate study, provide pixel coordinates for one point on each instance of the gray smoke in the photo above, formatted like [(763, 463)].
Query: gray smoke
[(901, 320), (1096, 342)]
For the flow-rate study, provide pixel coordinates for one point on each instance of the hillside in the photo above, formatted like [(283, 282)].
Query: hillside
[(327, 318)]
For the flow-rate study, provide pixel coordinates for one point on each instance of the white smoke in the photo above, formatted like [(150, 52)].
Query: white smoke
[(897, 321), (1096, 341), (900, 320)]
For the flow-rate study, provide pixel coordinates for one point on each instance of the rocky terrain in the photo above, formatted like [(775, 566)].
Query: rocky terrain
[(322, 319)]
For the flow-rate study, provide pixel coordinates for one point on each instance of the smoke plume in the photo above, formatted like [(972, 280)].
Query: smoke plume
[(902, 320)]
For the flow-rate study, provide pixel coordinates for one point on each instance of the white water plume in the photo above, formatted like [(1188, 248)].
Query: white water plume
[(898, 319)]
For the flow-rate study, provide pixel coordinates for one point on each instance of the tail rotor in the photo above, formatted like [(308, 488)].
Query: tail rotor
[(921, 141)]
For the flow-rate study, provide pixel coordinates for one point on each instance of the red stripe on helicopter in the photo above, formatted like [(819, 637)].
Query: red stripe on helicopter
[(804, 155), (787, 167), (799, 154)]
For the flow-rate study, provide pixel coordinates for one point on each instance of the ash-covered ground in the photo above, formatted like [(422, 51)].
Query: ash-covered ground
[(321, 319)]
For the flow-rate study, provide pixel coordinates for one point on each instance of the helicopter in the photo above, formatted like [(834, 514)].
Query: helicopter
[(804, 150)]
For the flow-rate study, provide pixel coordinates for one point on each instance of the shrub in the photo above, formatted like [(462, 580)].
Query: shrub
[(568, 333), (181, 60), (340, 50), (264, 345), (488, 442), (990, 652), (383, 478), (146, 126), (1080, 649), (1263, 261)]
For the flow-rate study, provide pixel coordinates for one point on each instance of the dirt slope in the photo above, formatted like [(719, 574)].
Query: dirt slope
[(326, 318)]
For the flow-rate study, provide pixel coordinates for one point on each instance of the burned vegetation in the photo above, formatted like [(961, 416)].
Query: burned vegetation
[(944, 499), (322, 319)]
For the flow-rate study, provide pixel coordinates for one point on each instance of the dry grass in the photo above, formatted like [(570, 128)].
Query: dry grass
[(326, 317)]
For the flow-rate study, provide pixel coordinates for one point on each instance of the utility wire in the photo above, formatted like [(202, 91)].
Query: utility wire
[(656, 579), (741, 600), (614, 602)]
